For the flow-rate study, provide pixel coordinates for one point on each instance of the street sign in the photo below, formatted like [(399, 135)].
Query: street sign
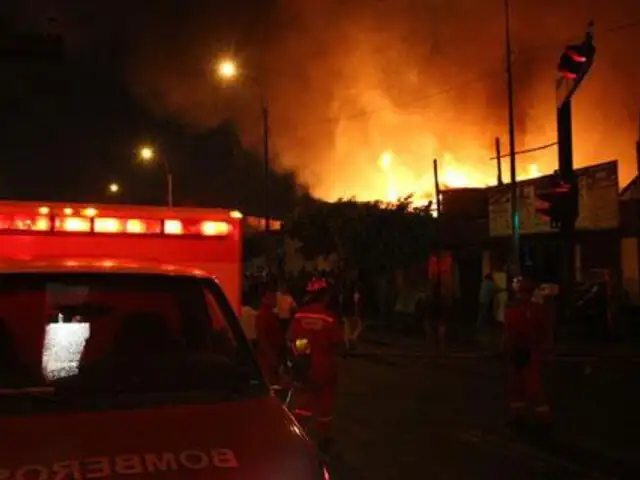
[(500, 211), (598, 197)]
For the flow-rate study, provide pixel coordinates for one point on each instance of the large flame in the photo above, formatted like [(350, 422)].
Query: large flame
[(389, 125), (399, 181)]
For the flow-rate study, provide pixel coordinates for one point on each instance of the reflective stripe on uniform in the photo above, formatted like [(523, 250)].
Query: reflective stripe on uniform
[(317, 316)]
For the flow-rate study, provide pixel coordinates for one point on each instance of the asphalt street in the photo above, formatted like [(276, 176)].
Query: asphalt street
[(411, 417)]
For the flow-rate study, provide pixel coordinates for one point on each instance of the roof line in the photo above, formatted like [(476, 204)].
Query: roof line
[(629, 185)]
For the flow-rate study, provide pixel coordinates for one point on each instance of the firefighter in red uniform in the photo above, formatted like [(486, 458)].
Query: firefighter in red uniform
[(527, 334), (316, 340), (270, 339)]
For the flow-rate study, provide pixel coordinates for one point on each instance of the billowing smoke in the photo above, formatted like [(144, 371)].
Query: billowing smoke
[(346, 81)]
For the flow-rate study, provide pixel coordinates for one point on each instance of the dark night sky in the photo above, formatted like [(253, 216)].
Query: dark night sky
[(71, 126), (345, 81)]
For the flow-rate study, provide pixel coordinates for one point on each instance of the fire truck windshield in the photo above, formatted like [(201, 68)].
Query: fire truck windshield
[(105, 340)]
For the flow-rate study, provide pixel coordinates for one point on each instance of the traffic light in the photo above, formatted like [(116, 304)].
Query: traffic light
[(558, 204), (576, 60)]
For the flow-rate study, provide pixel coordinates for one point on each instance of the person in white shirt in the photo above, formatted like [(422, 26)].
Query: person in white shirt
[(285, 306)]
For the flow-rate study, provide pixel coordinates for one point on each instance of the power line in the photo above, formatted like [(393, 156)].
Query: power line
[(527, 150)]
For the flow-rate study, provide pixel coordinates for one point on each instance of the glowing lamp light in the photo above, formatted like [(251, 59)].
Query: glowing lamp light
[(74, 224), (227, 68), (134, 225), (86, 220), (173, 227), (215, 228), (42, 224), (90, 212), (108, 225), (44, 210), (147, 153)]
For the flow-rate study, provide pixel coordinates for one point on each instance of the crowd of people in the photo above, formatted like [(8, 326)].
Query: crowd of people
[(417, 308), (299, 332), (345, 300), (296, 343)]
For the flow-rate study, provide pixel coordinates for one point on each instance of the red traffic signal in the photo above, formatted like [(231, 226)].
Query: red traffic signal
[(555, 203), (576, 60), (576, 56)]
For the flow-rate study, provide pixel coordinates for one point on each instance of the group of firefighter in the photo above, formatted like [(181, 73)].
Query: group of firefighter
[(301, 355)]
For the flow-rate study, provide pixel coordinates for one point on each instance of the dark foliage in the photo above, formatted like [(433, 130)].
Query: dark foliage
[(373, 236)]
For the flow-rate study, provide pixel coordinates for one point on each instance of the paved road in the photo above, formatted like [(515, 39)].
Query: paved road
[(403, 418)]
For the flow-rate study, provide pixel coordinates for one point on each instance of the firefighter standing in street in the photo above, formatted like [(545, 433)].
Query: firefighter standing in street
[(316, 341), (527, 334)]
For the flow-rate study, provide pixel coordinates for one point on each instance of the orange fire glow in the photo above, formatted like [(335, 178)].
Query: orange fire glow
[(363, 96), (400, 181), (389, 156)]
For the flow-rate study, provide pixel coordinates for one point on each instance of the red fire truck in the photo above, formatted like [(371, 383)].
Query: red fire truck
[(121, 353)]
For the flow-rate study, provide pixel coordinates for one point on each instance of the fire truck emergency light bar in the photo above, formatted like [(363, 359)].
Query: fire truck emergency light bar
[(23, 218)]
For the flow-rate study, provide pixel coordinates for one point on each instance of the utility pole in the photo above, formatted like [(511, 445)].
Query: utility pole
[(266, 162), (515, 218), (267, 190), (436, 182), (499, 162), (170, 190)]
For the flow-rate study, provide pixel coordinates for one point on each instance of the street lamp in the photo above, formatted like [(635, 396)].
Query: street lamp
[(227, 69), (147, 154), (113, 188)]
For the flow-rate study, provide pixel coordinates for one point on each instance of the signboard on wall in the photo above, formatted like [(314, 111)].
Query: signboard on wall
[(500, 211), (598, 202)]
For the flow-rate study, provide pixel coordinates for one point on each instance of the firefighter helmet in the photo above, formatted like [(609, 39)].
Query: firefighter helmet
[(316, 285)]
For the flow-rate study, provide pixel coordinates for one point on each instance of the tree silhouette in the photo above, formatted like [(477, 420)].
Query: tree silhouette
[(372, 236)]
